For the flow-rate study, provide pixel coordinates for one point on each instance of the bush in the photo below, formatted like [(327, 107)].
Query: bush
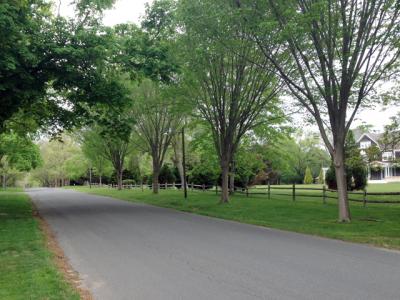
[(166, 175), (203, 174), (356, 178), (359, 174), (128, 181), (308, 178), (321, 176)]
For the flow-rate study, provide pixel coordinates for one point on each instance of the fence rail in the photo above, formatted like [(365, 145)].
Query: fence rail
[(294, 191)]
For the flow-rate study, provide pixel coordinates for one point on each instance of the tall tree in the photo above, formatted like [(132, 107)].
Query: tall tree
[(52, 67), (92, 144), (19, 153), (157, 121), (332, 55), (232, 91), (391, 135)]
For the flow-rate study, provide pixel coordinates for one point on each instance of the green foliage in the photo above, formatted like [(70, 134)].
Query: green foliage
[(160, 19), (391, 135), (288, 158), (129, 181), (47, 60), (166, 174), (204, 173), (249, 162), (308, 178), (321, 177), (63, 162), (20, 152), (373, 153)]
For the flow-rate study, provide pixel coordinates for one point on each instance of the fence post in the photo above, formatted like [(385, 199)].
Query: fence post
[(173, 185), (216, 189), (324, 194), (191, 185), (166, 185), (141, 186), (247, 191), (294, 192), (269, 190), (365, 198), (204, 187)]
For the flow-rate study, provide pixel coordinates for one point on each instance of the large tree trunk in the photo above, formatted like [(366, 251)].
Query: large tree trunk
[(156, 173), (177, 158), (119, 179), (341, 181), (225, 181), (232, 179)]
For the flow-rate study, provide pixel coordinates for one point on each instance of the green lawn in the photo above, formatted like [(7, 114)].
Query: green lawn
[(27, 270), (377, 224)]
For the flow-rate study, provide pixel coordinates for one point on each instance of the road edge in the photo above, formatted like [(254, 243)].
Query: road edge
[(59, 258)]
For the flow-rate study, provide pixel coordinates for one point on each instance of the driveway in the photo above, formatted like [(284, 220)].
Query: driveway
[(126, 250)]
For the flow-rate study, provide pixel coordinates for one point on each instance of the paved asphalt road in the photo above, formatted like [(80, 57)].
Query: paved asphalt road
[(133, 251)]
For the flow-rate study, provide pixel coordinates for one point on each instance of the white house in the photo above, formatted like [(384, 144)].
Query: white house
[(387, 168)]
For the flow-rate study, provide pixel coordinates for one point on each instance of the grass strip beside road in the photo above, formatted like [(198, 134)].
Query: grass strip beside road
[(376, 224), (27, 269)]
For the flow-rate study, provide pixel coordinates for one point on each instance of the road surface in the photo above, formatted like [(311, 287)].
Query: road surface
[(124, 250)]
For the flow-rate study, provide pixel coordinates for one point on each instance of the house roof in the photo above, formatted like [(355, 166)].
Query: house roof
[(373, 136)]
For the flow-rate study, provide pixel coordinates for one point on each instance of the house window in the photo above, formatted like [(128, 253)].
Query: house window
[(365, 145), (387, 156), (397, 154)]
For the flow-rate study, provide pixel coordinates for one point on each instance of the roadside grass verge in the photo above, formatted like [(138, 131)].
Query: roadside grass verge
[(376, 224), (27, 269)]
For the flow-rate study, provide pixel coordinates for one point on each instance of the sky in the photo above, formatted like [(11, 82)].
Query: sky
[(132, 11)]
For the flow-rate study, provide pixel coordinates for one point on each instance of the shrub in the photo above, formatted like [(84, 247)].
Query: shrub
[(166, 174), (128, 181), (308, 178), (356, 177), (321, 177), (203, 174)]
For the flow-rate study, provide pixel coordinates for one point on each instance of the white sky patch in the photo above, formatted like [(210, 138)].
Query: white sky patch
[(124, 11)]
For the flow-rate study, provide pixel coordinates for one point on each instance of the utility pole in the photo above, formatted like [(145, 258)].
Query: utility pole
[(184, 163)]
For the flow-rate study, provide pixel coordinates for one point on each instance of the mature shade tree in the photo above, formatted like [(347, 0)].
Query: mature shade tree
[(116, 149), (21, 81), (158, 119), (391, 135), (232, 91), (63, 161), (110, 135), (19, 153), (109, 147), (332, 55), (91, 144), (51, 67)]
